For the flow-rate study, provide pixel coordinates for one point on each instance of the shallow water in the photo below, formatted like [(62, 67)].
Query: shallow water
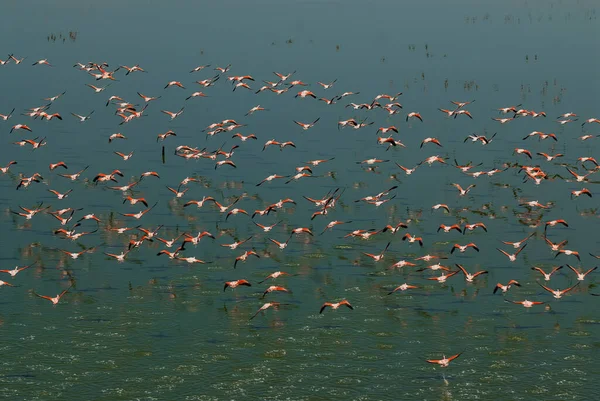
[(152, 328)]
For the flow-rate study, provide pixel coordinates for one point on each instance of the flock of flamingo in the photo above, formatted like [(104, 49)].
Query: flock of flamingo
[(73, 223)]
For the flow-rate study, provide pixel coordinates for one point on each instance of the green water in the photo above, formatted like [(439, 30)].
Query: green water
[(152, 328)]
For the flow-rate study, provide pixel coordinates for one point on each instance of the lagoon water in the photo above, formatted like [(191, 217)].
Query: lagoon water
[(156, 329)]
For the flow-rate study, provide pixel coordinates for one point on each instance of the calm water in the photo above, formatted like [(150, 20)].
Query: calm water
[(156, 329)]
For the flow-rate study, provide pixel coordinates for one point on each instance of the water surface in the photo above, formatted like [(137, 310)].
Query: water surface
[(151, 328)]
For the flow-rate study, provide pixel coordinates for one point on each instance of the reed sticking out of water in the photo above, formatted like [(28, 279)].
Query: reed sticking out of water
[(53, 37)]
